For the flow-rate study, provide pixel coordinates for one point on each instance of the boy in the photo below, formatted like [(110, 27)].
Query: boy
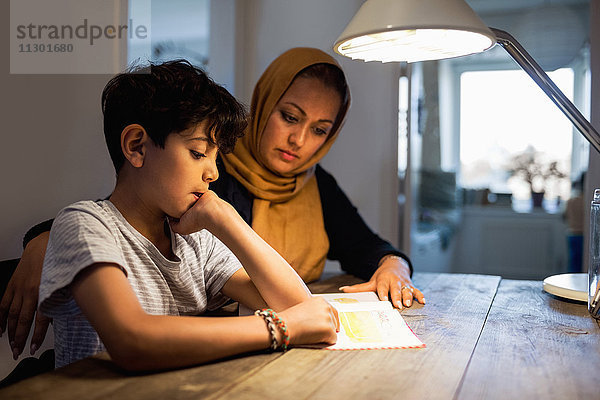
[(125, 274)]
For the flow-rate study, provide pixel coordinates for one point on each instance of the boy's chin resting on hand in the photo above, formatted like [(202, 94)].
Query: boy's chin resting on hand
[(209, 212)]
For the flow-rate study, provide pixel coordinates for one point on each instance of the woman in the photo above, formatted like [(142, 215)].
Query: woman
[(273, 180)]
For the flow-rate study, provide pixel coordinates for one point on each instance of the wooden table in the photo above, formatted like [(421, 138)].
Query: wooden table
[(487, 338)]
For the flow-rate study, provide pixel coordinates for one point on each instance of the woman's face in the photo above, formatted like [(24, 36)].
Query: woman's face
[(299, 125)]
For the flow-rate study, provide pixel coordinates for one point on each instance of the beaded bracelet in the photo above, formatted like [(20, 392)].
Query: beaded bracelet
[(270, 327), (269, 314)]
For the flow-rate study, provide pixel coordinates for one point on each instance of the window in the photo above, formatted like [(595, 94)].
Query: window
[(178, 29), (504, 114)]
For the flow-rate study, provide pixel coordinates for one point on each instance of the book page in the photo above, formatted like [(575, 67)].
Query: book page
[(347, 298), (367, 323)]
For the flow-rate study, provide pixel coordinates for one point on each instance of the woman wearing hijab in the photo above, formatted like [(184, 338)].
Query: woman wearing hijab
[(273, 180)]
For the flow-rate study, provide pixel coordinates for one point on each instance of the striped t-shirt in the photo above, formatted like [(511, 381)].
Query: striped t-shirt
[(90, 232)]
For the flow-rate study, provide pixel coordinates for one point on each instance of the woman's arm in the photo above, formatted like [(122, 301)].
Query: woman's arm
[(19, 303), (136, 340), (360, 251), (352, 243)]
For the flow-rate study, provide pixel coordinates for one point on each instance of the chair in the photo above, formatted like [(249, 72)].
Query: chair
[(7, 268), (29, 366)]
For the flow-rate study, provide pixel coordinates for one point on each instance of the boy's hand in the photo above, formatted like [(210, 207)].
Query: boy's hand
[(207, 213), (312, 321)]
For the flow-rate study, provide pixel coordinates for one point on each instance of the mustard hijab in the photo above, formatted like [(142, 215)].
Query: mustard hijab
[(286, 211)]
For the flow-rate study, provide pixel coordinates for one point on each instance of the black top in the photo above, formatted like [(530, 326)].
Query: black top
[(351, 242)]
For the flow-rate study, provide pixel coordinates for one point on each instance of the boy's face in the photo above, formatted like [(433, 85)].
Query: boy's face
[(180, 173)]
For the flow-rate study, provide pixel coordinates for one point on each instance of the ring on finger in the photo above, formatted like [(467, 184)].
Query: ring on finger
[(407, 287)]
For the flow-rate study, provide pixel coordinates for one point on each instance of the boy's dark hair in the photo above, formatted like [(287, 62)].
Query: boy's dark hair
[(167, 98)]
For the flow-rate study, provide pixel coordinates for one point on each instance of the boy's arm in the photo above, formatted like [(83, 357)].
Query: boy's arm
[(240, 288), (140, 341), (278, 284)]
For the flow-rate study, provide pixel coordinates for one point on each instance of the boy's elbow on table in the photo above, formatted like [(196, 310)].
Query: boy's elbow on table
[(129, 350), (138, 344)]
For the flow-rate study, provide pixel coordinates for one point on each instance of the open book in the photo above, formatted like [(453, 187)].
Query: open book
[(368, 323)]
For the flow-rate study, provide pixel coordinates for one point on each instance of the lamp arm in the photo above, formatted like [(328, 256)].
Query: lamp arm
[(529, 65)]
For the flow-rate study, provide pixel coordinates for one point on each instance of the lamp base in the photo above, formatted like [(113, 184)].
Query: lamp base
[(568, 286)]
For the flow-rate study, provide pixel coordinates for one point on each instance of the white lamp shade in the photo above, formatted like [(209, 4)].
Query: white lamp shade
[(414, 30)]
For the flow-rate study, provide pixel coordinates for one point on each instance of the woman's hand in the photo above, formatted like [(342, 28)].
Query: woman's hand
[(19, 303), (312, 321), (391, 281)]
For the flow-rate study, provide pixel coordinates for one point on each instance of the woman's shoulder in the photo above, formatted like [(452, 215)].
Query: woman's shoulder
[(323, 176), (229, 189), (328, 186), (226, 184)]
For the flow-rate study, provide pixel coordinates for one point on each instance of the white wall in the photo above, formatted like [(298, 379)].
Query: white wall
[(52, 148), (363, 159), (222, 49)]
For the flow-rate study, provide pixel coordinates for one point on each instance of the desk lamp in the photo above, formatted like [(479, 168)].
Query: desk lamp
[(422, 30)]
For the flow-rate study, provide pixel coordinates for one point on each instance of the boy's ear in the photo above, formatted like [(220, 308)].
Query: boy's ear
[(134, 140)]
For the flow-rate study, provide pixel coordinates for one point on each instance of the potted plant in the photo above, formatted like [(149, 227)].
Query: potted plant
[(532, 168)]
